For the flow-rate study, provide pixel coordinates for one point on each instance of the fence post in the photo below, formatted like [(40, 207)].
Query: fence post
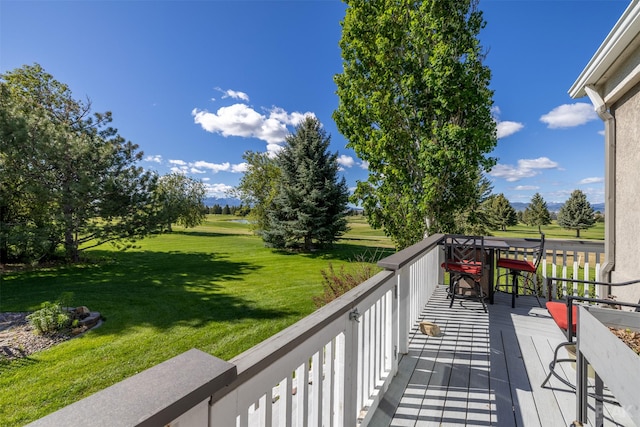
[(351, 368), (404, 287)]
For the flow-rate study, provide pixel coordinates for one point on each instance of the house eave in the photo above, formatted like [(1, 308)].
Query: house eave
[(619, 40)]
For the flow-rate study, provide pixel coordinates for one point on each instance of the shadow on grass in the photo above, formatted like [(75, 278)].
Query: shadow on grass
[(344, 252), (207, 233), (158, 289)]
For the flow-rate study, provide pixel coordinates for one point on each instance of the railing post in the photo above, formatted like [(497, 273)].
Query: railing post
[(395, 324), (404, 287), (350, 391)]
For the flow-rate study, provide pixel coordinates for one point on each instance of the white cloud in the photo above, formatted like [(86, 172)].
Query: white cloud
[(539, 163), (178, 162), (217, 190), (156, 159), (214, 167), (230, 93), (364, 165), (526, 168), (591, 180), (507, 128), (504, 128), (273, 150), (206, 179), (176, 169), (242, 120), (569, 115), (346, 161), (195, 170), (526, 187), (239, 168)]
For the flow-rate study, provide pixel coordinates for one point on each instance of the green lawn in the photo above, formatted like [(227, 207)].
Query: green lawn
[(215, 288), (553, 231)]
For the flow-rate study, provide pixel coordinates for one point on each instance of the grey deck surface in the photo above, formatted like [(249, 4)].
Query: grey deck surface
[(485, 370)]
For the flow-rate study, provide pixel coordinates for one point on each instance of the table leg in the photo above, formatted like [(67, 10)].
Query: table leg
[(491, 255)]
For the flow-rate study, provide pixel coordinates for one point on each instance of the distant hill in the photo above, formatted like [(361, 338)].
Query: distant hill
[(518, 206), (555, 207), (210, 201)]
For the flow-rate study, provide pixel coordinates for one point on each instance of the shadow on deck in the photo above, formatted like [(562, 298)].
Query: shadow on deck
[(485, 370)]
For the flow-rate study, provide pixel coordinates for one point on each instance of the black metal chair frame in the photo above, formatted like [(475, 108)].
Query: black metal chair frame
[(569, 331), (529, 278), (465, 258)]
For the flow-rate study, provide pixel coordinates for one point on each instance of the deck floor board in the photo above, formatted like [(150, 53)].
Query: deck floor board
[(486, 369)]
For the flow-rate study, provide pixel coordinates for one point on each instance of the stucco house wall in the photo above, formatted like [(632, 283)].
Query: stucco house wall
[(627, 192), (611, 80)]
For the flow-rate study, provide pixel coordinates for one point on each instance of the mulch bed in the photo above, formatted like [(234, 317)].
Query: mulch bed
[(18, 338)]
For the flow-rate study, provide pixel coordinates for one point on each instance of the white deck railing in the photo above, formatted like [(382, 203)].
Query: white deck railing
[(332, 367), (329, 369), (576, 259)]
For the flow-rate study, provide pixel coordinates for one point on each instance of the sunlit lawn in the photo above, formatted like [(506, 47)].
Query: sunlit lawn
[(553, 231), (215, 288)]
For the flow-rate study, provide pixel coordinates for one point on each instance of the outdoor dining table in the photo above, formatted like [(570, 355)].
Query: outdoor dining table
[(490, 248)]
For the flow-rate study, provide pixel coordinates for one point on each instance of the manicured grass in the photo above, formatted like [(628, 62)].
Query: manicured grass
[(553, 231), (215, 288)]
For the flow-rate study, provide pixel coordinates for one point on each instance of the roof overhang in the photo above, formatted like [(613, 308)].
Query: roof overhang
[(612, 54)]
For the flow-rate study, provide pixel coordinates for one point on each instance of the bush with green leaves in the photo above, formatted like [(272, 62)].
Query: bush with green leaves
[(52, 317)]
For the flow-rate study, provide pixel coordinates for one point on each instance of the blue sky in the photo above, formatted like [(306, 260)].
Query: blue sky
[(196, 84)]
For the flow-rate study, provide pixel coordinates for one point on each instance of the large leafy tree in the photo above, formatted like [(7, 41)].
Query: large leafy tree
[(576, 213), (74, 179), (182, 200), (310, 206), (537, 213), (500, 212), (258, 186), (414, 103)]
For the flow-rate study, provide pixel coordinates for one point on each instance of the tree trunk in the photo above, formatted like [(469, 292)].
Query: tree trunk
[(577, 233), (4, 251)]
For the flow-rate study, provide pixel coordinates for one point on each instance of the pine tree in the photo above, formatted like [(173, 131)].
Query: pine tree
[(537, 214), (576, 213), (311, 204), (500, 212)]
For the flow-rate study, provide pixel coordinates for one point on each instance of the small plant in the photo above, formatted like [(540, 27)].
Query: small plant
[(52, 316), (336, 283)]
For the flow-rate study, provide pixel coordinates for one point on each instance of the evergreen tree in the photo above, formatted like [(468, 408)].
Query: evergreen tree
[(576, 213), (415, 103), (66, 176), (311, 203), (500, 212), (475, 219), (537, 214)]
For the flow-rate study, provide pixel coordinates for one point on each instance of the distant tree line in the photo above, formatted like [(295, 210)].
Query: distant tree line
[(575, 214), (69, 180)]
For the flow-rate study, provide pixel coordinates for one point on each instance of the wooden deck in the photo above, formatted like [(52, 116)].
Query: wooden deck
[(485, 370)]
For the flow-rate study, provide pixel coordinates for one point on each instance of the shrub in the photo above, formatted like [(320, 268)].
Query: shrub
[(52, 317), (336, 283)]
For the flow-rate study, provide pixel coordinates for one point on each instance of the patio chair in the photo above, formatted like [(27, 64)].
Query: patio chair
[(465, 259), (522, 269), (564, 313)]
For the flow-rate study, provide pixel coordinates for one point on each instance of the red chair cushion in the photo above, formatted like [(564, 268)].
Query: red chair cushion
[(516, 264), (473, 268), (558, 311)]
